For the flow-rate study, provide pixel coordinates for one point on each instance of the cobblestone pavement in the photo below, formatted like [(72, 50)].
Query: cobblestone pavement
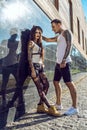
[(34, 121)]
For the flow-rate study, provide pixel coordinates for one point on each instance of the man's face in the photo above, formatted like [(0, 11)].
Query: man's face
[(56, 27)]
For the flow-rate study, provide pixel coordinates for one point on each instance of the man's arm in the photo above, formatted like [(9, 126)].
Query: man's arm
[(67, 36), (53, 39)]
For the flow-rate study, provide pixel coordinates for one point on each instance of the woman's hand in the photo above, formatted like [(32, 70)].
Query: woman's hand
[(33, 73), (43, 65)]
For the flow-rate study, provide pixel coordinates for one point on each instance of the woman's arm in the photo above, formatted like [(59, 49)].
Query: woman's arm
[(30, 48)]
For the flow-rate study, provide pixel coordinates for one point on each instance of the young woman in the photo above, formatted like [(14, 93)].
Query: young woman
[(35, 58), (31, 64)]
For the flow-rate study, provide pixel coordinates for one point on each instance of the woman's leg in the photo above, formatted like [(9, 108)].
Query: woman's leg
[(45, 84), (51, 109), (40, 91)]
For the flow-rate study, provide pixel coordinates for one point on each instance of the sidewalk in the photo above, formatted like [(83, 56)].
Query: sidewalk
[(34, 121)]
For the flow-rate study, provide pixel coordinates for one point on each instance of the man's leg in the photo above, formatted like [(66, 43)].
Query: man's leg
[(58, 91), (56, 82), (68, 81), (73, 93)]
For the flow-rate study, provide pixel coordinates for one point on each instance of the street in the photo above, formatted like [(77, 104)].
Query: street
[(34, 121)]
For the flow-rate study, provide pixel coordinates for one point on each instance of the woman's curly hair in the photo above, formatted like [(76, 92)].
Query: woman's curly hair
[(33, 31)]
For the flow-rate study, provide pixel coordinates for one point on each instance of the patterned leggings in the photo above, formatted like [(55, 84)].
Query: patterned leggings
[(42, 84)]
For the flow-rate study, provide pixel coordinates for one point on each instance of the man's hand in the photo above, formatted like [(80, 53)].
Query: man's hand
[(63, 64)]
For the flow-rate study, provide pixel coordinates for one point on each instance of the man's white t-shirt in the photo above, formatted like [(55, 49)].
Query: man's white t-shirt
[(61, 48)]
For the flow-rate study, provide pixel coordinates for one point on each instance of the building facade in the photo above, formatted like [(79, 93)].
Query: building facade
[(72, 16)]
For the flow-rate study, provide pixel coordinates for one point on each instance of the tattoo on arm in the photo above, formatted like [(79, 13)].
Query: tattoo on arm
[(30, 46), (53, 39), (67, 36)]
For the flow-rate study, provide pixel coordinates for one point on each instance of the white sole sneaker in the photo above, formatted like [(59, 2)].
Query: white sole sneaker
[(58, 107), (71, 111)]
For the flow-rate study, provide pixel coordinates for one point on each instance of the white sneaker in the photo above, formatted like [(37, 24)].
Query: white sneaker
[(58, 107), (71, 111)]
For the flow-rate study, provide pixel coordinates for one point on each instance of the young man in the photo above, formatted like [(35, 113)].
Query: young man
[(62, 68)]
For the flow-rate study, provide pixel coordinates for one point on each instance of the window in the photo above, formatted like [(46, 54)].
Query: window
[(83, 39), (71, 15), (79, 62), (86, 44), (56, 3), (78, 28)]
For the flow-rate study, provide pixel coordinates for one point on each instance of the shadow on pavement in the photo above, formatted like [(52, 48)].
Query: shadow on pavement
[(37, 120), (3, 117)]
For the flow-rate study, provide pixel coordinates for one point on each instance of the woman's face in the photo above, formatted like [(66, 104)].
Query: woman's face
[(38, 34)]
